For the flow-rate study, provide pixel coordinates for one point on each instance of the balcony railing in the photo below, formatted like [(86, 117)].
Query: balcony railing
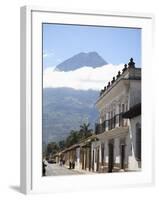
[(116, 121)]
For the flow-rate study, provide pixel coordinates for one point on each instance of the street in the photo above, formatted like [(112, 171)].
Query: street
[(56, 170)]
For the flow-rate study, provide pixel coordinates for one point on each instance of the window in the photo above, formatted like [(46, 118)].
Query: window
[(123, 106), (126, 107), (119, 108)]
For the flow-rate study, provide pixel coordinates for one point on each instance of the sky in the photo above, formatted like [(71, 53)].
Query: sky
[(115, 45)]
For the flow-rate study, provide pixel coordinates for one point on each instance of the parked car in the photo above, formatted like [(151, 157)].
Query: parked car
[(51, 161)]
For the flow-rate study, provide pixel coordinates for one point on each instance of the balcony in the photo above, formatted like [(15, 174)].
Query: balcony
[(116, 121)]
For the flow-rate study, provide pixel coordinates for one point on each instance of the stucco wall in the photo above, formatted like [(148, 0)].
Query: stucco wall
[(131, 144), (134, 92)]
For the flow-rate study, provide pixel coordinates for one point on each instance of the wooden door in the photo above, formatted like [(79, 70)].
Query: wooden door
[(97, 160), (111, 157), (122, 156)]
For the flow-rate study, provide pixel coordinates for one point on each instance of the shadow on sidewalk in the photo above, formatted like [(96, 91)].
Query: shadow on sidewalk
[(15, 188)]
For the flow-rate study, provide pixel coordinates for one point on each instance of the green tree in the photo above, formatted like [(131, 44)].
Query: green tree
[(73, 138), (52, 148), (62, 144), (85, 131)]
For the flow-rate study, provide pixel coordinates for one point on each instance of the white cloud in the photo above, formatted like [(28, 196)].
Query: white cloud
[(59, 60), (83, 78), (47, 54)]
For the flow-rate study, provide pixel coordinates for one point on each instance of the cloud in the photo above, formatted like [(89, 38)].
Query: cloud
[(45, 55), (48, 54), (84, 78), (59, 60)]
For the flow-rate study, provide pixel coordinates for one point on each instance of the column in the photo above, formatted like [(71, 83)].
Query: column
[(131, 161), (95, 160), (117, 153), (106, 152), (107, 118), (78, 158), (117, 114)]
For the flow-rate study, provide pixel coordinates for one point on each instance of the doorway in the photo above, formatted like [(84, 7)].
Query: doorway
[(138, 142), (122, 156), (82, 158), (97, 160), (111, 157), (93, 161)]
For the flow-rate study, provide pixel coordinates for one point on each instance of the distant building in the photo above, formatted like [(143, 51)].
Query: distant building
[(79, 154), (119, 125)]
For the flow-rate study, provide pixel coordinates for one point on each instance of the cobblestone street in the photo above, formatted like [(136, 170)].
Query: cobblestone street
[(56, 170)]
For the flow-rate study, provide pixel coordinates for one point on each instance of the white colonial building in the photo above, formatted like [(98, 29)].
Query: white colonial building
[(119, 127)]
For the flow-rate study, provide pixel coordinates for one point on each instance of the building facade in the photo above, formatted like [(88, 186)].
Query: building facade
[(118, 130), (79, 154)]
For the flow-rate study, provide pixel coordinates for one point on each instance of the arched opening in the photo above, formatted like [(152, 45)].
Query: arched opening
[(122, 156), (138, 142), (102, 153), (93, 161), (111, 157), (122, 153), (97, 160)]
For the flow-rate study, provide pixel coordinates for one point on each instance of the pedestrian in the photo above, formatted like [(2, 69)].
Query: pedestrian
[(70, 165), (43, 168), (73, 164)]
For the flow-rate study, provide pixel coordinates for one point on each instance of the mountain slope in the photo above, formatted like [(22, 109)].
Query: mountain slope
[(92, 59), (65, 109)]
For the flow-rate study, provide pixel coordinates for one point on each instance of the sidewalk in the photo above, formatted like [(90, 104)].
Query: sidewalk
[(57, 170), (82, 171)]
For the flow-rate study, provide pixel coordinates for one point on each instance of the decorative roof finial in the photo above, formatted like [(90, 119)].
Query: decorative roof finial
[(113, 80), (125, 67), (108, 84), (131, 63), (118, 75)]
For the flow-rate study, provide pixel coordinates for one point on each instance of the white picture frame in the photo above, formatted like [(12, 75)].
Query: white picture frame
[(31, 77)]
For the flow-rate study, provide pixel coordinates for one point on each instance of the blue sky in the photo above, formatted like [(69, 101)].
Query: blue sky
[(115, 45)]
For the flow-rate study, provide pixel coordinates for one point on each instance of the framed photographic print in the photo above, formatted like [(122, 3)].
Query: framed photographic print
[(86, 111)]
